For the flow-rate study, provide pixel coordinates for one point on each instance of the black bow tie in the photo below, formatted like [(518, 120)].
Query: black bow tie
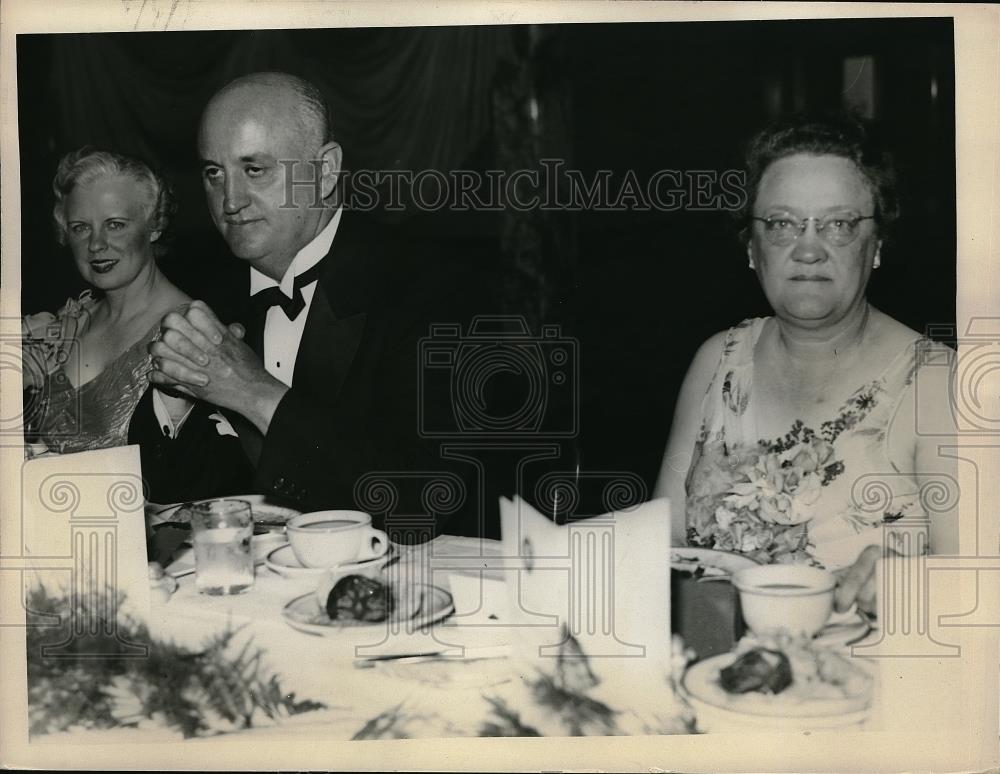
[(263, 300)]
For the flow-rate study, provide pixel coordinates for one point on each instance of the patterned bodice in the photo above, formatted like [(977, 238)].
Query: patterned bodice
[(96, 414), (817, 494)]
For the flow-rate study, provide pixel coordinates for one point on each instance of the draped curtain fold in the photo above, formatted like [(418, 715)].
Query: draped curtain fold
[(400, 98)]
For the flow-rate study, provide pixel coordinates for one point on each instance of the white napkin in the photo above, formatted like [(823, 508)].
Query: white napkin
[(83, 523), (479, 601), (605, 580)]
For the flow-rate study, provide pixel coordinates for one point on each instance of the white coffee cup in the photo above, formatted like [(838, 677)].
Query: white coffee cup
[(795, 598), (333, 538)]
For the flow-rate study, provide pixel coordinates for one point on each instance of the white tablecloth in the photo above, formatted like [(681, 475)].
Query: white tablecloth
[(323, 668)]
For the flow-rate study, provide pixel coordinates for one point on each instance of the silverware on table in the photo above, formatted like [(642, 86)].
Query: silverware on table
[(471, 654)]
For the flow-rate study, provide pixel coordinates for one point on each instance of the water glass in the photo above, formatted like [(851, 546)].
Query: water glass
[(221, 531)]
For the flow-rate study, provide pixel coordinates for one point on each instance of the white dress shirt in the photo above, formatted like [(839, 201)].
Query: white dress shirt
[(171, 428), (167, 425), (281, 335)]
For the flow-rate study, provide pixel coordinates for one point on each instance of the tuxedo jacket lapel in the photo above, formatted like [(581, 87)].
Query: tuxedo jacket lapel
[(327, 348)]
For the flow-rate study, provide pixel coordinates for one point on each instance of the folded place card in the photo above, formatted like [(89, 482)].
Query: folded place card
[(83, 533), (596, 587), (479, 601)]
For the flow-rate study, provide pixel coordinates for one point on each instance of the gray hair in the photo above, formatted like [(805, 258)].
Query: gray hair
[(87, 164), (837, 134)]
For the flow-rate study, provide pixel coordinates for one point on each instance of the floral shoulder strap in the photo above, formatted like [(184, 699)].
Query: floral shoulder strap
[(728, 394), (47, 339)]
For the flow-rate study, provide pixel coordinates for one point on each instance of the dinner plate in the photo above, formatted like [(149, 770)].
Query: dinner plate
[(417, 607), (708, 560), (267, 513), (262, 545), (283, 561), (716, 709), (711, 719)]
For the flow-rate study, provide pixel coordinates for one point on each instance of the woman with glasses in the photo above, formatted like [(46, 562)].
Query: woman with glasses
[(794, 436)]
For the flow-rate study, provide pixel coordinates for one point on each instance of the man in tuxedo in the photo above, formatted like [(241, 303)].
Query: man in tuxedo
[(322, 379)]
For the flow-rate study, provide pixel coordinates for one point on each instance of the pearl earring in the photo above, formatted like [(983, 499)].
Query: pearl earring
[(750, 259), (878, 260)]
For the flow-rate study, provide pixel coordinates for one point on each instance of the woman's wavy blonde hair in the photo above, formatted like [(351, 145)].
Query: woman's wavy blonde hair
[(83, 166)]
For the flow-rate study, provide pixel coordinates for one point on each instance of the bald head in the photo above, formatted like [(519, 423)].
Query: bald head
[(290, 97)]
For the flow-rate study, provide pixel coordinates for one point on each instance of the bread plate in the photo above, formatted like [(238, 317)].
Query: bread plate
[(417, 607)]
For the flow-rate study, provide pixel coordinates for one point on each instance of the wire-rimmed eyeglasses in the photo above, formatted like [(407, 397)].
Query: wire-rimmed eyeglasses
[(837, 230)]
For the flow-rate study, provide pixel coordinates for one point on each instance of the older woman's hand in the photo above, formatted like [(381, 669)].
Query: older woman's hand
[(857, 582)]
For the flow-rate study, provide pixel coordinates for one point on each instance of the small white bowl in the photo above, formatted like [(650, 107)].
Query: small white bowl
[(794, 598)]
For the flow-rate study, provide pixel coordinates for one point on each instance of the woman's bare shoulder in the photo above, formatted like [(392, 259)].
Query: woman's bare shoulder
[(168, 301), (711, 348), (716, 346), (706, 361), (174, 298), (160, 305)]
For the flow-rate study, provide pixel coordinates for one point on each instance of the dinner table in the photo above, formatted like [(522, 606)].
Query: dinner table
[(361, 680), (388, 680)]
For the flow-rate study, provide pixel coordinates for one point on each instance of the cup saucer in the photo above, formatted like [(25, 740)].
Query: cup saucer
[(844, 629), (284, 562)]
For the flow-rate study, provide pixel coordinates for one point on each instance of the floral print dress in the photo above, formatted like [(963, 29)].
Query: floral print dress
[(817, 494)]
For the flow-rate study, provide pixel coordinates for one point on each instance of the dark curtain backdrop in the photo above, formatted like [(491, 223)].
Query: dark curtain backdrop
[(401, 99), (638, 290)]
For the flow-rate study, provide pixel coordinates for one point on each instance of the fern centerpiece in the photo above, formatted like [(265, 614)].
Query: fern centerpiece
[(194, 693)]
